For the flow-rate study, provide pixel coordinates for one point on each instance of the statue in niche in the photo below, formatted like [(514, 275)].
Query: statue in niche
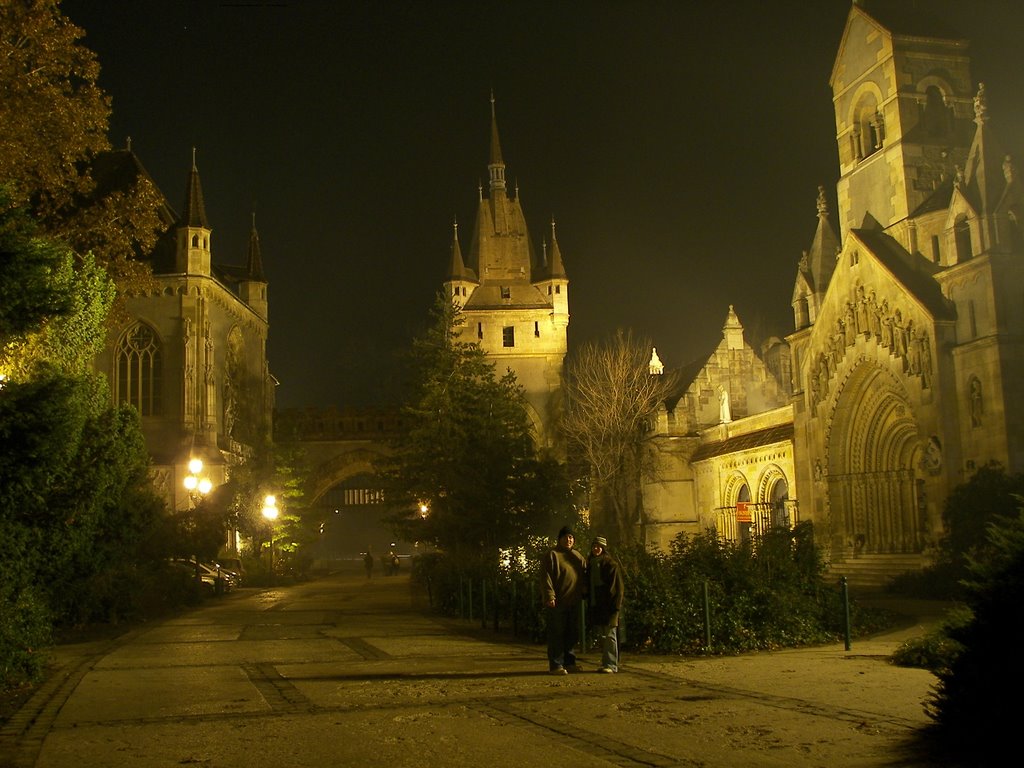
[(931, 462), (817, 470), (913, 350), (899, 339), (862, 311), (836, 346), (926, 359), (977, 403), (724, 413), (823, 374), (849, 321), (874, 317), (815, 390), (886, 324)]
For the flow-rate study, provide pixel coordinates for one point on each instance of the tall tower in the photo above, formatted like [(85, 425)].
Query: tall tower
[(903, 104), (515, 301)]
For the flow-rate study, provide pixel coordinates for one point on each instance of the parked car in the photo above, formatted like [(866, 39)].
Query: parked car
[(209, 573), (232, 567), (207, 582)]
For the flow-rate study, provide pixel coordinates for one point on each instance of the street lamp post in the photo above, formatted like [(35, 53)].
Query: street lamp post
[(197, 485), (270, 512)]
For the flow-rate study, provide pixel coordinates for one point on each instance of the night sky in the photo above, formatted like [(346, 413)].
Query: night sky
[(677, 145)]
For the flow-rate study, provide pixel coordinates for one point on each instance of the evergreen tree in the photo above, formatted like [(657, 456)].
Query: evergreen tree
[(467, 453)]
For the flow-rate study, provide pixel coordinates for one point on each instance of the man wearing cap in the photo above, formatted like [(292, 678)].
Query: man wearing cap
[(604, 602), (562, 583)]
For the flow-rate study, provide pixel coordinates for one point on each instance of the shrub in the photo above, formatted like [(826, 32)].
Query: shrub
[(972, 703), (25, 633)]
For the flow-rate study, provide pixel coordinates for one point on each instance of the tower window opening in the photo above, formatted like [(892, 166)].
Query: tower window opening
[(508, 336), (558, 289), (536, 329), (962, 238), (479, 330), (937, 118), (506, 292), (935, 249)]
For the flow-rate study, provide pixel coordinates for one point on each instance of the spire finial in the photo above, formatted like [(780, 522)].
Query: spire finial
[(497, 164), (822, 203), (552, 229), (193, 158), (128, 144)]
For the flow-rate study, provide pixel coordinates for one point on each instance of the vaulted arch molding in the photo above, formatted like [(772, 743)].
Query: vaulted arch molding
[(872, 441)]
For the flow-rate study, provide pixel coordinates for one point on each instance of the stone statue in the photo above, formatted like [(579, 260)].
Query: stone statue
[(874, 317), (724, 413), (977, 404), (862, 311), (899, 339), (886, 324)]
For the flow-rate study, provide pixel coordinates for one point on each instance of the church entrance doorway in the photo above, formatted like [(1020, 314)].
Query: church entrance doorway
[(873, 447)]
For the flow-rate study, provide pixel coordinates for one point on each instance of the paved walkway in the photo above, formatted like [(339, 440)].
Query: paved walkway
[(342, 671)]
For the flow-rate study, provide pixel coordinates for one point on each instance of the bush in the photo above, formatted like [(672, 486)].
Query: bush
[(25, 634), (768, 594), (972, 705)]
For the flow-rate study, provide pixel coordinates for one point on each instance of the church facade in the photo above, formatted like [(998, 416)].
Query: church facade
[(191, 357), (905, 369)]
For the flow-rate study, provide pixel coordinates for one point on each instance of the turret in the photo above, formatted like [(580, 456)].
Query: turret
[(193, 248)]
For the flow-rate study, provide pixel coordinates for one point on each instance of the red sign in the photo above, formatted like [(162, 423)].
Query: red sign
[(743, 512)]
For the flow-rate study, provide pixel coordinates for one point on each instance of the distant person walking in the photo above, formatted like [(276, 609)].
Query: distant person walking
[(368, 562), (604, 602), (562, 582)]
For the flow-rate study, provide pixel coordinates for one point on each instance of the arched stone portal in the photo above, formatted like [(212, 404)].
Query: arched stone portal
[(873, 446)]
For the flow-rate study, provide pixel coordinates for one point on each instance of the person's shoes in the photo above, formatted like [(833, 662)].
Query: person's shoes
[(558, 671), (573, 668), (606, 670)]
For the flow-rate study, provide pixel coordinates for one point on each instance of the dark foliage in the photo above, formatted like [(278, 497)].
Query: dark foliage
[(973, 704)]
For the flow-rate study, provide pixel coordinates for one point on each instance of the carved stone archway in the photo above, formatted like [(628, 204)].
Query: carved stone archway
[(873, 446)]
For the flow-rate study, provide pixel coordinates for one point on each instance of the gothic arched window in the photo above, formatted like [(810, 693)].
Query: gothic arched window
[(138, 359)]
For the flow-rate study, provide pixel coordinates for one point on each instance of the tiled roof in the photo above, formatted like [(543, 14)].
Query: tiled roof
[(780, 434)]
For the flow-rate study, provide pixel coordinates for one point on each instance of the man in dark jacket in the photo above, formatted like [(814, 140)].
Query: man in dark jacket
[(562, 584), (604, 602)]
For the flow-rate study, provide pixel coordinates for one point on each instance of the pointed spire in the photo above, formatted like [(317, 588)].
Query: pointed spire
[(819, 261), (983, 180), (556, 269), (255, 258), (457, 269), (497, 164), (195, 210)]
